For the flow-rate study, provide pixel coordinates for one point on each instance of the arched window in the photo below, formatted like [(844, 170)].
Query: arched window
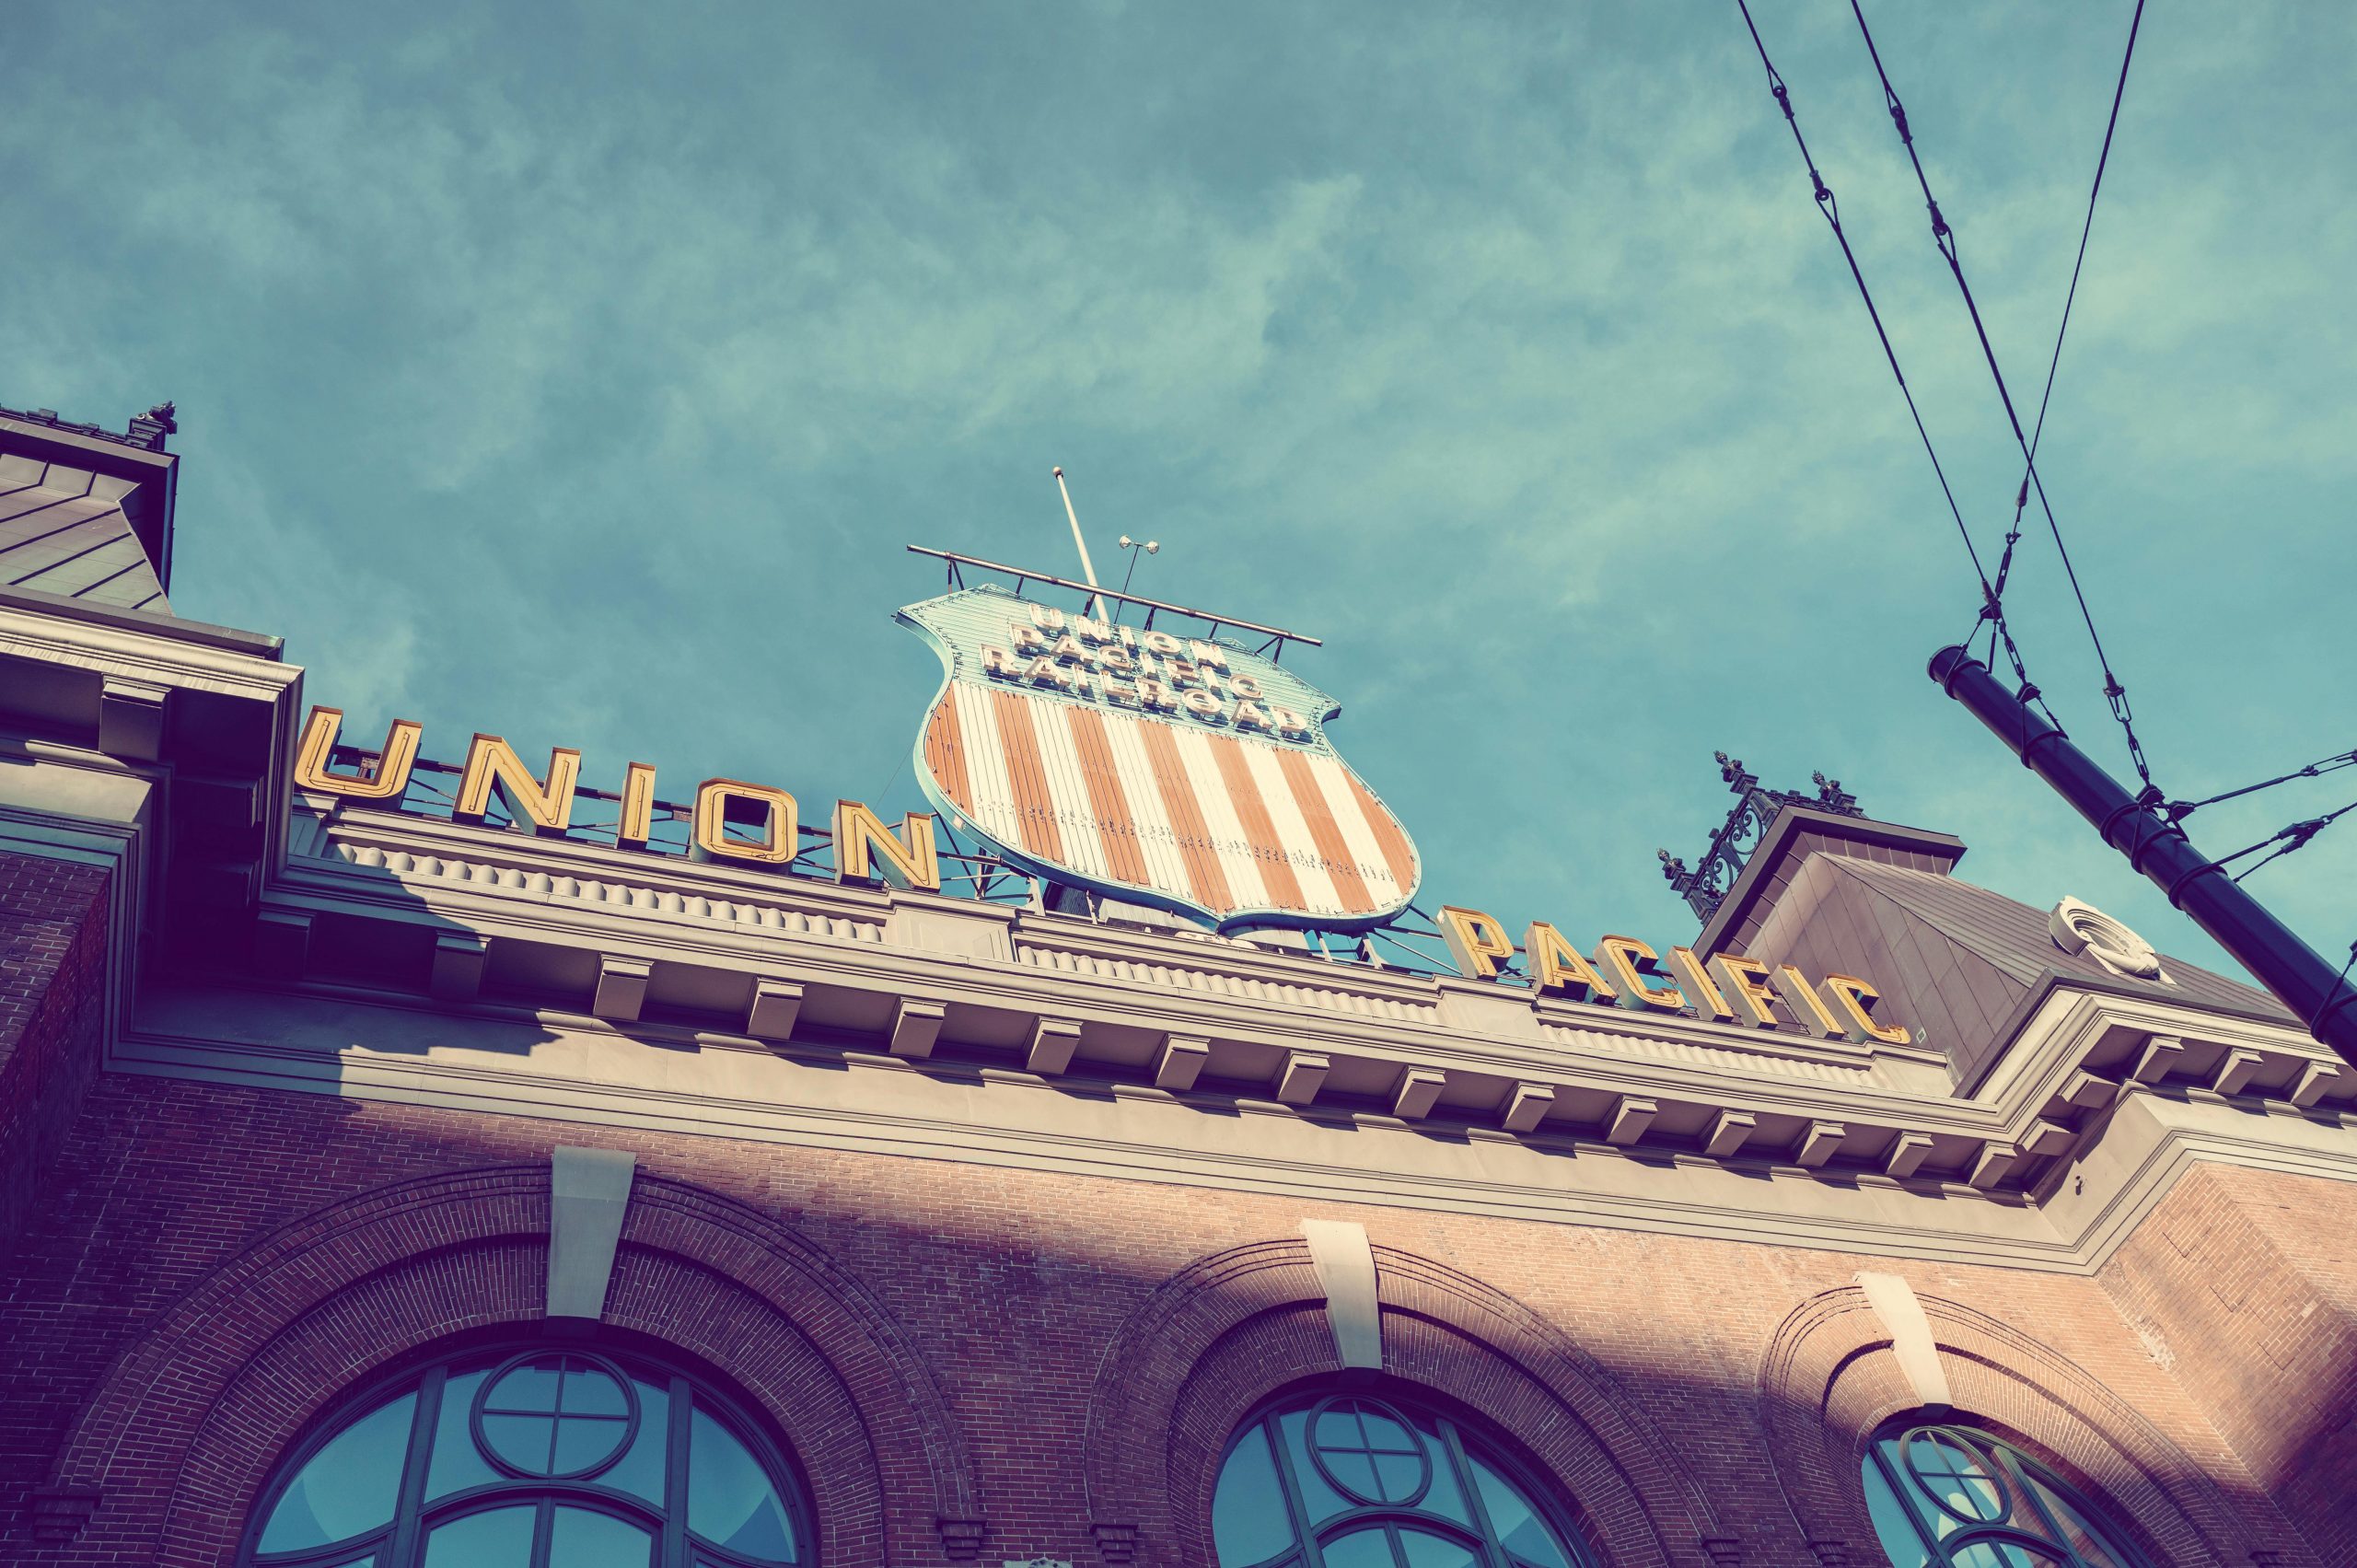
[(1353, 1480), (1955, 1497), (541, 1458)]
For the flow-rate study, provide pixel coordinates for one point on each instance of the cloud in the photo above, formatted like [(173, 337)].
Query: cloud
[(584, 383)]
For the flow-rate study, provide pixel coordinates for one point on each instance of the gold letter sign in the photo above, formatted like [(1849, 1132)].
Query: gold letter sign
[(722, 801), (391, 777), (866, 849)]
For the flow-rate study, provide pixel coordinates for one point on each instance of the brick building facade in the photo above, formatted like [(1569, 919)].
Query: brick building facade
[(992, 1227)]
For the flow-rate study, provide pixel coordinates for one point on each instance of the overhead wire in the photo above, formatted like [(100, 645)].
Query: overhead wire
[(2289, 840), (2179, 810), (1944, 238), (2038, 429), (1830, 208), (2297, 836)]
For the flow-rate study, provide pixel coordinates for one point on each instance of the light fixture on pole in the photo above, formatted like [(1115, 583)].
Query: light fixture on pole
[(1151, 547)]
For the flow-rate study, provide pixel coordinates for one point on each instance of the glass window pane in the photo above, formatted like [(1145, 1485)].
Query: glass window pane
[(585, 1442), (497, 1537), (588, 1391), (580, 1539), (1901, 1542), (1427, 1550), (1355, 1471), (1943, 1477), (1249, 1519), (349, 1486), (1444, 1498), (1959, 1485), (1398, 1476), (456, 1464), (1359, 1549), (521, 1440), (1320, 1501), (730, 1500), (1383, 1435), (1519, 1528), (2003, 1554), (640, 1471), (530, 1387)]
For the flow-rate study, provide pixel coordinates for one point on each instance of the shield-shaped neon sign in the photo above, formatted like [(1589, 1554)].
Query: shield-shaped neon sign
[(1184, 773)]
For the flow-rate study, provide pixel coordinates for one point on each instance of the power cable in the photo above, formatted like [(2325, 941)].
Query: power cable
[(2296, 837), (1831, 209), (1944, 238), (2037, 430), (2179, 810)]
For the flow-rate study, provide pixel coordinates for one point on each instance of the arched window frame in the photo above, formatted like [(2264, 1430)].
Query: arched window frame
[(2015, 1469), (401, 1543), (1495, 1451)]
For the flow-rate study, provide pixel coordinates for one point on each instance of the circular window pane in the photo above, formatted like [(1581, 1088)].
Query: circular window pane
[(1369, 1452), (1955, 1477), (566, 1414)]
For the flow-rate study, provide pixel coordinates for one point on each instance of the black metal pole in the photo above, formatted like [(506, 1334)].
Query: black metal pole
[(2300, 979)]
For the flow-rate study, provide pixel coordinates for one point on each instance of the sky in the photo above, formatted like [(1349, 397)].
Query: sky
[(579, 374)]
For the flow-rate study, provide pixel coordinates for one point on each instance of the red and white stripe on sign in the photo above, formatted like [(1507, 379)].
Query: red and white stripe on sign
[(1221, 821)]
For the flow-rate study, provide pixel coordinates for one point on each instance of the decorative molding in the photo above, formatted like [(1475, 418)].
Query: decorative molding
[(621, 989), (1345, 1265), (916, 1025), (588, 1198), (2079, 928), (1180, 1062), (1419, 1090), (1052, 1043), (567, 1068), (1527, 1107), (642, 898), (771, 1013), (1894, 1303)]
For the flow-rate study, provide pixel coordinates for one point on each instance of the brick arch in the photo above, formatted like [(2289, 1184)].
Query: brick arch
[(1829, 1380), (1228, 1331), (201, 1407)]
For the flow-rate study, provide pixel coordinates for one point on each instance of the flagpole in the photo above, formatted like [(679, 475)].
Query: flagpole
[(1086, 569)]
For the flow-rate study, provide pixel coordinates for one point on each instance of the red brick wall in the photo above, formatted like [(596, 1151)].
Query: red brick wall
[(2245, 1284), (1055, 1355), (52, 974)]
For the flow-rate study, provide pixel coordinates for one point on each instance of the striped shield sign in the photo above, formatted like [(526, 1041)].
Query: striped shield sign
[(1184, 773)]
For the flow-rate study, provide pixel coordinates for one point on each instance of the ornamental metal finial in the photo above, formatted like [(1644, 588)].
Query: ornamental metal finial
[(150, 429), (1705, 887)]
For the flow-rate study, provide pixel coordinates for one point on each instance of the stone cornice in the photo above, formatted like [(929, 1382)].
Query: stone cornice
[(966, 986), (574, 1068), (142, 653)]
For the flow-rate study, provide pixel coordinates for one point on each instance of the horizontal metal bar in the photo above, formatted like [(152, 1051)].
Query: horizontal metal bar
[(1022, 576)]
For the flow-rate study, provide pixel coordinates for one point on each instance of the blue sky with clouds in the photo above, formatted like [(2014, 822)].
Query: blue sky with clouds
[(580, 374)]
